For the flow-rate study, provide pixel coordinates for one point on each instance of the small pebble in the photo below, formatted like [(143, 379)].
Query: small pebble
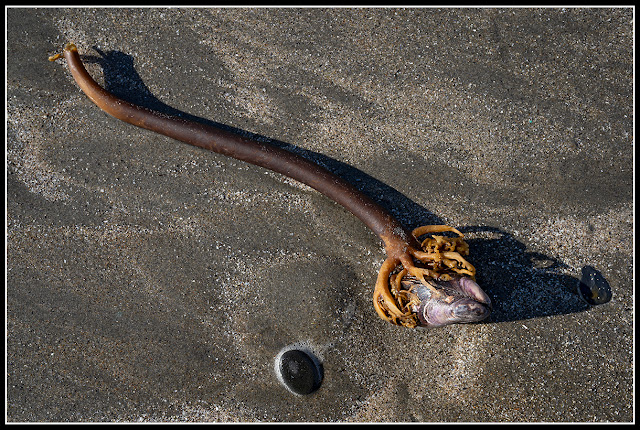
[(593, 287), (299, 371)]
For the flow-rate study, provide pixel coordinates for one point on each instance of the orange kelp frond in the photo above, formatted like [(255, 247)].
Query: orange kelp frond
[(67, 47), (443, 255), (441, 258)]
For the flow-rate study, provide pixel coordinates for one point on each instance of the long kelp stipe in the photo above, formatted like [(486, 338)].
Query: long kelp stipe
[(425, 282)]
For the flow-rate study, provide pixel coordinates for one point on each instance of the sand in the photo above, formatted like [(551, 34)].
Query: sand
[(148, 280)]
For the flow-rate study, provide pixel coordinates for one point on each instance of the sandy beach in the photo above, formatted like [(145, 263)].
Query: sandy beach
[(148, 280)]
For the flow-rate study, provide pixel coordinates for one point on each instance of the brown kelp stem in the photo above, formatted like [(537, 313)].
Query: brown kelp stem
[(436, 258)]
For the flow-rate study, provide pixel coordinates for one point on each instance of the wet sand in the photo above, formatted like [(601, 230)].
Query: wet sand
[(148, 280)]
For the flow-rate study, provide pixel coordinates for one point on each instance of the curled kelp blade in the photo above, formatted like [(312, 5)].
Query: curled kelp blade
[(458, 300)]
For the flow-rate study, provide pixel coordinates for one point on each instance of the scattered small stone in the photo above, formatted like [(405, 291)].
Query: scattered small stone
[(299, 371), (593, 287)]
